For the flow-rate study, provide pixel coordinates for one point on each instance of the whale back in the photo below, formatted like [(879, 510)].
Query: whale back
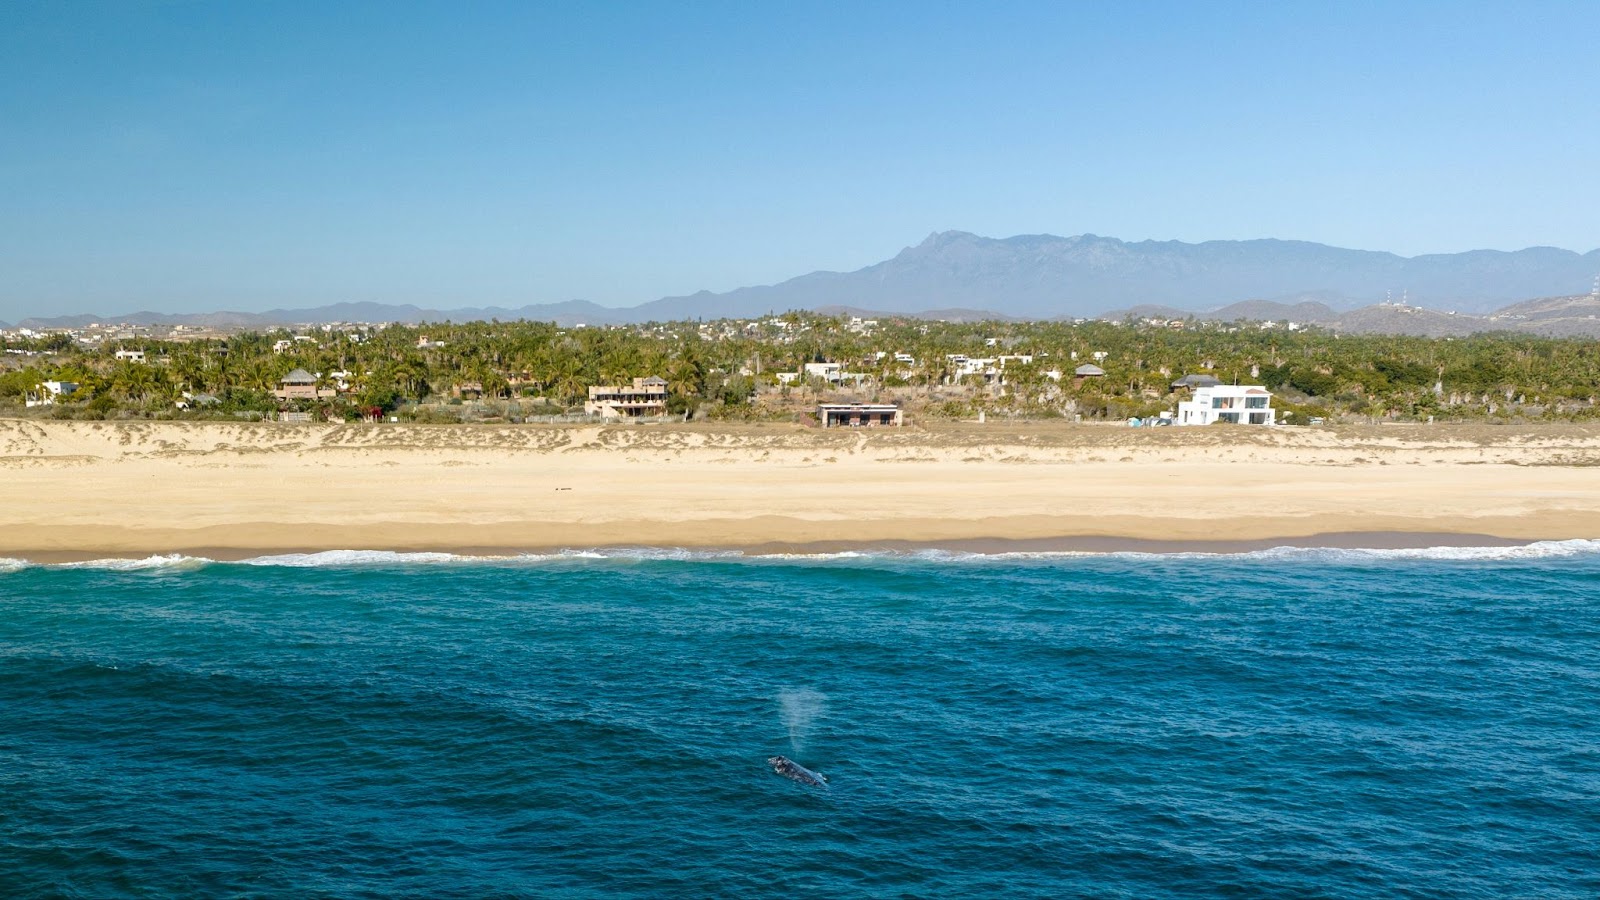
[(788, 768)]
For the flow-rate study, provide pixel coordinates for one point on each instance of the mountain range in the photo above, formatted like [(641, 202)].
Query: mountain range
[(1044, 276)]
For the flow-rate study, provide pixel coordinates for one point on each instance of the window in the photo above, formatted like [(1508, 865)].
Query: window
[(1255, 403)]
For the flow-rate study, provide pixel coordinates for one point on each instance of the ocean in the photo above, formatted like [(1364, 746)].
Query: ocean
[(1285, 723)]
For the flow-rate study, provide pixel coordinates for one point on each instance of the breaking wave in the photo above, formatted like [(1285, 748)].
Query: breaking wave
[(336, 558), (1537, 550), (163, 561)]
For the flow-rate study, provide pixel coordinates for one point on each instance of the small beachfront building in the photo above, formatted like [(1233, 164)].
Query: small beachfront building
[(1085, 372), (1249, 404), (859, 415), (645, 397), (1195, 382), (300, 385), (47, 392)]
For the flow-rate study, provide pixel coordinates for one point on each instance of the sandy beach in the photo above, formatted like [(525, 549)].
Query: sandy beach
[(76, 490)]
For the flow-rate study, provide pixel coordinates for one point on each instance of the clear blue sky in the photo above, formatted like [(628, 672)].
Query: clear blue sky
[(187, 156)]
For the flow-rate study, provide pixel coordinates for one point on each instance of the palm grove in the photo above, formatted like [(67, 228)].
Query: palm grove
[(727, 369)]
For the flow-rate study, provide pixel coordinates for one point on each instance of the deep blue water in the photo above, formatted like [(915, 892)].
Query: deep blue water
[(1307, 724)]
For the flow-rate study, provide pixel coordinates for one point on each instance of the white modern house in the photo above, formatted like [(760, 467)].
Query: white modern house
[(48, 391), (1238, 404), (831, 372)]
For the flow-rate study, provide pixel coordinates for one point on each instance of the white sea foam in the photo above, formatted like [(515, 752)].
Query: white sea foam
[(646, 553), (359, 558), (341, 558), (1535, 550), (166, 561), (347, 558)]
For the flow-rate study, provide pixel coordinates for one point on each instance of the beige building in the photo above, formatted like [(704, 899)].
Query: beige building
[(300, 385), (859, 415), (645, 397)]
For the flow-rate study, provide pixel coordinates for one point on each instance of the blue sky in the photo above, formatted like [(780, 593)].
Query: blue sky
[(191, 156)]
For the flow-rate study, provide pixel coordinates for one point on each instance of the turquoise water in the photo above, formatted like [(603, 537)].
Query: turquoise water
[(1278, 724)]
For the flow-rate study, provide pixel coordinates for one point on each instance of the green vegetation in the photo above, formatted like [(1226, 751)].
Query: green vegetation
[(727, 369)]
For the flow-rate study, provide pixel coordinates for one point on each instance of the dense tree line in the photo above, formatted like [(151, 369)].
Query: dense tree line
[(728, 368)]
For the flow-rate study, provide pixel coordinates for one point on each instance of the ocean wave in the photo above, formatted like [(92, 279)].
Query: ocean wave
[(1529, 551), (346, 558), (164, 561), (1537, 550)]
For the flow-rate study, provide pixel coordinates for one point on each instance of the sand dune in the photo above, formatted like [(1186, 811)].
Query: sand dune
[(83, 489)]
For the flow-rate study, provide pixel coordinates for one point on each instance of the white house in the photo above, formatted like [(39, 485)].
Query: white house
[(990, 369), (131, 355), (827, 371), (47, 392), (1248, 404), (831, 372)]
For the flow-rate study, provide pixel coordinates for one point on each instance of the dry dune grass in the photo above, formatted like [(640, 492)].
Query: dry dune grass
[(96, 488)]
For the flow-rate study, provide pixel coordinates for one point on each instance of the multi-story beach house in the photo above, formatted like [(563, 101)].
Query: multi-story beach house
[(1247, 404), (645, 397), (301, 385)]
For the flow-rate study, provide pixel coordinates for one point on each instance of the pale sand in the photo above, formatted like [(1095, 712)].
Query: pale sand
[(82, 489)]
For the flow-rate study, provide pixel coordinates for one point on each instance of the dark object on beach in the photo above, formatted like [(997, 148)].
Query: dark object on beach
[(792, 770)]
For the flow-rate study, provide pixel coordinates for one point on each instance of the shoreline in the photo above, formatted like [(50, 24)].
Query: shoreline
[(1087, 546), (973, 548)]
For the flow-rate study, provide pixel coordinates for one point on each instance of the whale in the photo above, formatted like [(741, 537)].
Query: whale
[(792, 770)]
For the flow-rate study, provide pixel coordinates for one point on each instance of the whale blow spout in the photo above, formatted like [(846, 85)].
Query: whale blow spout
[(792, 770)]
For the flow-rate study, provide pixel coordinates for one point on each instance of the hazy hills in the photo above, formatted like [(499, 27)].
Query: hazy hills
[(1570, 316), (1044, 276), (569, 312)]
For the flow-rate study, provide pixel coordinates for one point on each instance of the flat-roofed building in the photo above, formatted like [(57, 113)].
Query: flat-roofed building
[(47, 392), (1248, 404), (645, 397), (860, 415)]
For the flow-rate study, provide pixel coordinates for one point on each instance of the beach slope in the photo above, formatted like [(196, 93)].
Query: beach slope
[(91, 489)]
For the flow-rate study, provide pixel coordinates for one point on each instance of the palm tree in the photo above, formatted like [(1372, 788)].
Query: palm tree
[(135, 381), (686, 378)]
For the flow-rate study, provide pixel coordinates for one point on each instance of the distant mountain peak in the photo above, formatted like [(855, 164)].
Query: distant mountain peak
[(1046, 276)]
